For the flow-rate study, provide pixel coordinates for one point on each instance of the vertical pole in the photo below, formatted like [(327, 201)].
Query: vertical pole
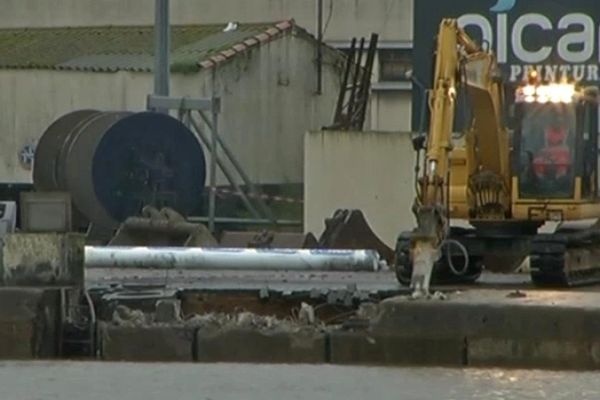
[(213, 169), (161, 49), (320, 46)]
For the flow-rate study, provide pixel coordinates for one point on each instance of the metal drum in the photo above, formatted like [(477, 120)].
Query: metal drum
[(49, 145), (114, 163)]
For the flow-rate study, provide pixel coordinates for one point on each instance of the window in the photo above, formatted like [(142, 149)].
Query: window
[(548, 139), (394, 64)]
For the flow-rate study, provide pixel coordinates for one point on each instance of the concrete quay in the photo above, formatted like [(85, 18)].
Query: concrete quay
[(29, 327), (492, 328)]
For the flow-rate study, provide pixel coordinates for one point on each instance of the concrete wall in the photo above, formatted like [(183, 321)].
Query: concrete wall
[(32, 99), (268, 102), (391, 110), (392, 19), (371, 171)]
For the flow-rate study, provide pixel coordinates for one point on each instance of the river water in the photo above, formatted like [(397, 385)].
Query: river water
[(127, 381)]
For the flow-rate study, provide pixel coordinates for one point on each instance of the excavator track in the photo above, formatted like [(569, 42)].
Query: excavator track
[(566, 259), (563, 259)]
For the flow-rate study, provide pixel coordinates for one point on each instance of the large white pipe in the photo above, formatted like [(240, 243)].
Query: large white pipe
[(231, 259)]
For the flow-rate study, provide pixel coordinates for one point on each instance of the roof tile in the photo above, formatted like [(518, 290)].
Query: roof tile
[(262, 37), (284, 25), (272, 31), (229, 53), (250, 42)]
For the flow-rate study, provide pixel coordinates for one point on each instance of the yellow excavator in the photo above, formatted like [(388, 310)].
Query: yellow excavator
[(531, 192)]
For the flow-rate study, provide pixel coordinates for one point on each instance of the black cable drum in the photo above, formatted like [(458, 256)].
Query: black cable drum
[(114, 163)]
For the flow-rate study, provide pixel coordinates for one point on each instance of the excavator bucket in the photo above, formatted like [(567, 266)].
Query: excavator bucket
[(268, 239), (349, 229), (162, 228)]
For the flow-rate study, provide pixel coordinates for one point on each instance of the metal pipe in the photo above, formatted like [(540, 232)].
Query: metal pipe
[(212, 196), (231, 259), (355, 80), (366, 84), (339, 119), (320, 46), (161, 49)]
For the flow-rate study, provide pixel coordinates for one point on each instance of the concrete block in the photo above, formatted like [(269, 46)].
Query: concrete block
[(28, 323), (249, 345), (15, 340), (388, 349), (146, 343), (530, 353), (442, 319), (493, 313), (43, 259), (541, 329)]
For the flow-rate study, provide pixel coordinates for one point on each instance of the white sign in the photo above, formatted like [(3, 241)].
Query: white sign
[(572, 56)]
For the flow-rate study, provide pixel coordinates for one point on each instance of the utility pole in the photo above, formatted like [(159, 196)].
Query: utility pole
[(161, 49), (320, 46)]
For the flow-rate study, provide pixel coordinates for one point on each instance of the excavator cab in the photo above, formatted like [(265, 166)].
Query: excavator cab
[(547, 146), (555, 146)]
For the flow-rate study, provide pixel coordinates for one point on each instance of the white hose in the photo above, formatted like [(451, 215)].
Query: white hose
[(463, 250)]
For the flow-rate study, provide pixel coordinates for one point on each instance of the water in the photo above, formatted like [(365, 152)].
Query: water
[(125, 381)]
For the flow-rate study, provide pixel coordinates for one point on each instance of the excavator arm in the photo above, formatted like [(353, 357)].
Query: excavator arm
[(459, 62)]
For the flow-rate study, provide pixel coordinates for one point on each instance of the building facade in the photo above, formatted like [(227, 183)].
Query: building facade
[(390, 107), (263, 75)]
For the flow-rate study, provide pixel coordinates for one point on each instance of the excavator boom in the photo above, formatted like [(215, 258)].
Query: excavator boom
[(460, 63)]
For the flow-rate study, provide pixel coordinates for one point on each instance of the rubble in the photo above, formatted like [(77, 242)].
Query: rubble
[(124, 316), (419, 295), (439, 296), (306, 314), (367, 311), (168, 311)]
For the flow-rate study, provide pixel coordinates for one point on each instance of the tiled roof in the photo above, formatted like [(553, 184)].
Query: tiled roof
[(129, 47)]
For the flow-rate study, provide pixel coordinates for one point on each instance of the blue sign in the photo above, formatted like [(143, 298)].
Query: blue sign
[(558, 38)]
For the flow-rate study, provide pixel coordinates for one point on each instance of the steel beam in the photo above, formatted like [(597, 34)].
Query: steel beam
[(183, 103)]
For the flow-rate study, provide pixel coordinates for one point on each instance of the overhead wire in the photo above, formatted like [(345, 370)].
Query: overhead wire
[(329, 16)]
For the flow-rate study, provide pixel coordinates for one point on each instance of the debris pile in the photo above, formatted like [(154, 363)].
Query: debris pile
[(168, 312), (124, 316)]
